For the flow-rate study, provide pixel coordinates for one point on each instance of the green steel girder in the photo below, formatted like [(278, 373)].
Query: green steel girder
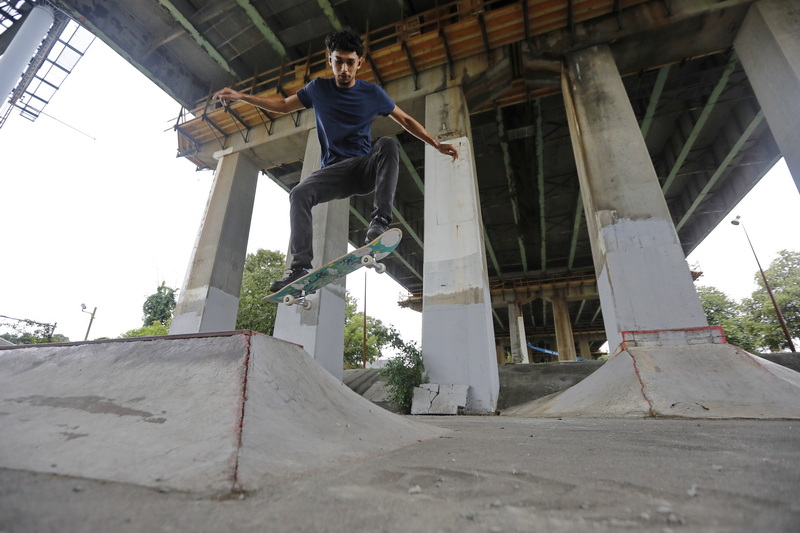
[(410, 167), (198, 37), (398, 215), (540, 181), (512, 190), (655, 97), (327, 9), (700, 123), (576, 226), (492, 255), (263, 27), (731, 154)]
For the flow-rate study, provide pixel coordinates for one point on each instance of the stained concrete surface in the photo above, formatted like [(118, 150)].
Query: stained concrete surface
[(488, 474), (207, 413)]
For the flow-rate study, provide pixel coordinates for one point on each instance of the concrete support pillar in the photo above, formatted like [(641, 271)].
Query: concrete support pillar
[(457, 330), (565, 342), (14, 60), (320, 330), (501, 354), (584, 349), (519, 343), (209, 299), (768, 45), (642, 275)]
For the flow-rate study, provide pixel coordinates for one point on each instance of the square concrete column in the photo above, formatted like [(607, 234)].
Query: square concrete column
[(768, 45), (209, 299), (457, 331), (516, 326), (565, 342), (320, 330), (585, 349), (642, 275)]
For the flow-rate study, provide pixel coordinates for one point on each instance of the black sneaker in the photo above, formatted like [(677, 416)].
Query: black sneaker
[(377, 227), (293, 274)]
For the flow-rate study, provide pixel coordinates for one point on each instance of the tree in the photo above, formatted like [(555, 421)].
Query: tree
[(27, 331), (783, 275), (379, 336), (722, 311), (32, 338), (158, 307), (155, 329), (260, 269)]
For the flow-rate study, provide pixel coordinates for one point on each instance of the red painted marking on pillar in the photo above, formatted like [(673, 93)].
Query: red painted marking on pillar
[(701, 328)]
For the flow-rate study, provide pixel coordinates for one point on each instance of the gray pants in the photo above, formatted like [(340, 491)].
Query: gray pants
[(357, 176)]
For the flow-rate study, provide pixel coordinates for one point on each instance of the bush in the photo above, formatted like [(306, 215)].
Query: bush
[(403, 374)]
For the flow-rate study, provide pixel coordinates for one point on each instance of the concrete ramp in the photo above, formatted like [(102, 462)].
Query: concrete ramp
[(205, 414), (688, 374)]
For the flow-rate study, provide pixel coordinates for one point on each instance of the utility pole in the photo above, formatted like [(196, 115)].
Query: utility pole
[(83, 308), (782, 321)]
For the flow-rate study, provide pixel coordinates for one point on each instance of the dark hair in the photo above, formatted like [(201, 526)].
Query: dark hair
[(344, 40)]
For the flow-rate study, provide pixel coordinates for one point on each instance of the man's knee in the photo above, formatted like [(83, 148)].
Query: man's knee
[(387, 145), (299, 193)]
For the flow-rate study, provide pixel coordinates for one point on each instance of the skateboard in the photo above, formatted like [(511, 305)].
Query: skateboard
[(368, 256)]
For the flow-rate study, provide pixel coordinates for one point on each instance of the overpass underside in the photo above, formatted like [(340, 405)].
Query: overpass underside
[(601, 142), (693, 103)]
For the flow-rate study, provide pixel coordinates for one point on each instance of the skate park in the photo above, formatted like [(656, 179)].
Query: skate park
[(663, 413)]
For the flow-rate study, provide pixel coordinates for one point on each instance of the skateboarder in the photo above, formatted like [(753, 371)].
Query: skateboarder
[(344, 109)]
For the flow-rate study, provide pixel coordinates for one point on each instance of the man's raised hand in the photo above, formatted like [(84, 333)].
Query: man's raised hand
[(227, 95), (447, 149)]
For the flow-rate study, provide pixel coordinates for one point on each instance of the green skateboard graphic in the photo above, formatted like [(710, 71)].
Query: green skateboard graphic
[(368, 256)]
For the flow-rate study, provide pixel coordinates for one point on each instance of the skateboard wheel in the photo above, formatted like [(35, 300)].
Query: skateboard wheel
[(380, 268), (368, 261), (307, 305), (288, 299)]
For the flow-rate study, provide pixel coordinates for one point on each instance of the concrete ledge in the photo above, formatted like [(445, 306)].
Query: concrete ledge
[(524, 383), (211, 414), (689, 381)]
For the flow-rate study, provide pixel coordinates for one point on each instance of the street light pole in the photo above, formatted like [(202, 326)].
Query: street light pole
[(782, 321), (83, 308)]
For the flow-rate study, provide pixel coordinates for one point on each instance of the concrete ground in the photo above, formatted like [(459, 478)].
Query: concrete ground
[(488, 474)]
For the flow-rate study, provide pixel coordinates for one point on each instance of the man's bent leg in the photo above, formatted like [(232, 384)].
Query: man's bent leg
[(386, 164), (383, 170), (324, 185)]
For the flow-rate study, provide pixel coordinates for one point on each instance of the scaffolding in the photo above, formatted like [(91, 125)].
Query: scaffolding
[(65, 44)]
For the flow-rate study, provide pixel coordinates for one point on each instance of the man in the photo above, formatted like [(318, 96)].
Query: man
[(344, 109)]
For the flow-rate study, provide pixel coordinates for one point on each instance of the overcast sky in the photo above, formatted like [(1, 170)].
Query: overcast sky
[(97, 209)]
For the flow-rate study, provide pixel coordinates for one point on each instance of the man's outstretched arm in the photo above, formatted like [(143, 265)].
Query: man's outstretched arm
[(416, 129), (275, 102)]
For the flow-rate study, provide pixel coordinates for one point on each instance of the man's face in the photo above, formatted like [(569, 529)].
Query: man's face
[(345, 66)]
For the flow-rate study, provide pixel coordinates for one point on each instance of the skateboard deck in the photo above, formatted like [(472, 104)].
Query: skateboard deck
[(368, 255)]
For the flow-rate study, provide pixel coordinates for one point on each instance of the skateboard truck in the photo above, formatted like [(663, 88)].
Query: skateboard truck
[(300, 300), (369, 261)]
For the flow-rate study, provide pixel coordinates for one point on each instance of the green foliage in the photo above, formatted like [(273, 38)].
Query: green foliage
[(158, 307), (379, 336), (155, 329), (26, 331), (403, 373), (753, 324), (30, 338), (722, 311), (260, 269), (783, 275)]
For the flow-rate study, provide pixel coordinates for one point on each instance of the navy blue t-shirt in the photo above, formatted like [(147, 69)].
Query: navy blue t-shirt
[(344, 116)]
